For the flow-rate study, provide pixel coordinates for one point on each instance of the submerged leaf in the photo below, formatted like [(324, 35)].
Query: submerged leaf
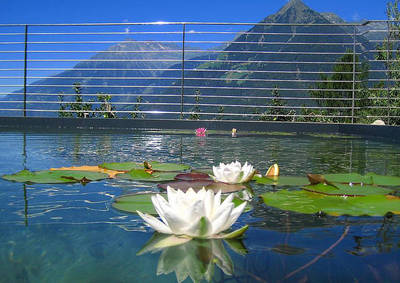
[(288, 250), (55, 177)]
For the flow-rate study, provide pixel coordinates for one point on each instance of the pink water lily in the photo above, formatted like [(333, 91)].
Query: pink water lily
[(196, 215), (201, 132)]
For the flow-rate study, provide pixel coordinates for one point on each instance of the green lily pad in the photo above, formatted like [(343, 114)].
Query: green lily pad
[(142, 175), (348, 178), (381, 180), (281, 180), (55, 176), (309, 203), (142, 202), (133, 202), (347, 190), (369, 179), (156, 166)]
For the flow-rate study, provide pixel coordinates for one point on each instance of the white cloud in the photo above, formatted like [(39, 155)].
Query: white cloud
[(356, 17)]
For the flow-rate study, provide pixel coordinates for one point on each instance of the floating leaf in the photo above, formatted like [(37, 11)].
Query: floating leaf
[(110, 173), (370, 179), (193, 176), (282, 180), (347, 190), (309, 203), (381, 180), (185, 185), (199, 184), (142, 202), (156, 166), (142, 175), (348, 178), (55, 177), (133, 202)]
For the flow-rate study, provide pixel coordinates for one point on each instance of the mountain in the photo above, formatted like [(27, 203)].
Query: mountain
[(254, 63), (258, 59)]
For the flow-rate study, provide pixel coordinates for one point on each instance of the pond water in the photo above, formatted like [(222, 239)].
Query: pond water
[(70, 232)]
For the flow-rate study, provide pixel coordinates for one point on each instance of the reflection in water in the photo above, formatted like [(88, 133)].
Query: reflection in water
[(384, 239), (74, 232), (193, 258)]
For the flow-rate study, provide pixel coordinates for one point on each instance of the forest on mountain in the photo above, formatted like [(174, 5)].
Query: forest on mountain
[(274, 71)]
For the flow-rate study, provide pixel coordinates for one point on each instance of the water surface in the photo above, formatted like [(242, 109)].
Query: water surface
[(70, 233)]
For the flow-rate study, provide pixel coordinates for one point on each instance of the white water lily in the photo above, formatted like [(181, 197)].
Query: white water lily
[(197, 215), (233, 173)]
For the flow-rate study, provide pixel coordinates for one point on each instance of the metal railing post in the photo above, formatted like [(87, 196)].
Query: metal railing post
[(25, 65), (388, 66), (354, 75), (183, 68)]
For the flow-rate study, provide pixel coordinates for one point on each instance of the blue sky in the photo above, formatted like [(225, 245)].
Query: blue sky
[(82, 11)]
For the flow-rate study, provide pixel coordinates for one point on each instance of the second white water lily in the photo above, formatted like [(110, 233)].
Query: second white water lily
[(197, 215), (233, 173)]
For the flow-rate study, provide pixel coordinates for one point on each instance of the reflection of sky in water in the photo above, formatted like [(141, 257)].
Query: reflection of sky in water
[(73, 233)]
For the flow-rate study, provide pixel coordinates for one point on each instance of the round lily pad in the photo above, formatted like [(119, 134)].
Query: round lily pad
[(142, 175), (156, 166), (348, 178), (199, 184), (192, 176), (281, 180), (309, 203), (142, 202), (347, 190), (55, 177)]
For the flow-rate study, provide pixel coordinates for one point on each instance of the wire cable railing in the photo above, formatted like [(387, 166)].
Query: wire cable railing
[(341, 73)]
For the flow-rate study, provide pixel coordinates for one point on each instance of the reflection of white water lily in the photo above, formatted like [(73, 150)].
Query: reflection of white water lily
[(194, 259), (233, 173), (197, 215)]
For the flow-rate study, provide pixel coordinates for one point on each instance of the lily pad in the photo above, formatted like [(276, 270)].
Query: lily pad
[(348, 178), (199, 184), (347, 190), (142, 202), (381, 180), (156, 166), (110, 173), (309, 203), (55, 177), (281, 180), (192, 176), (369, 179), (142, 175)]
